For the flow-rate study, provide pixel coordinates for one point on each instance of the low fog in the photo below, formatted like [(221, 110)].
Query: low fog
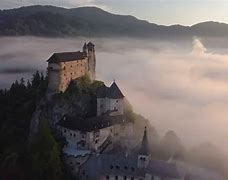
[(180, 86)]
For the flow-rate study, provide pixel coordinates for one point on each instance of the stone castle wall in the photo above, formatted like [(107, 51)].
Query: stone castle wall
[(62, 73), (72, 70)]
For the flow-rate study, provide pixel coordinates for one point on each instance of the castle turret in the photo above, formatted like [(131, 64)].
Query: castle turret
[(144, 152), (84, 49), (90, 48)]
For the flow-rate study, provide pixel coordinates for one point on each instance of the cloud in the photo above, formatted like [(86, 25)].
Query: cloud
[(178, 85), (198, 47)]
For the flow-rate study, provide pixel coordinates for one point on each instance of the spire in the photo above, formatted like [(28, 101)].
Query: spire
[(144, 150)]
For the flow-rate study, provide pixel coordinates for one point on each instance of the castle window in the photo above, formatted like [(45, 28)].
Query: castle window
[(132, 169), (107, 177), (65, 130), (132, 178), (70, 134), (117, 101), (125, 177), (74, 135), (125, 167), (96, 141), (116, 178), (111, 167), (117, 167)]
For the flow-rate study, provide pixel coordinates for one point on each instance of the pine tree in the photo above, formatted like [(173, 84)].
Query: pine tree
[(46, 155)]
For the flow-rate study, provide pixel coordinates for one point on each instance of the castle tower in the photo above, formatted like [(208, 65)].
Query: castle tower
[(84, 49), (89, 49), (144, 152)]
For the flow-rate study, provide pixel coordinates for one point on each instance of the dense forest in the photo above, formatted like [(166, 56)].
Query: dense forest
[(18, 158)]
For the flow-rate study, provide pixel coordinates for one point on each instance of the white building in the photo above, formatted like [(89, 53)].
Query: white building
[(91, 134), (110, 99), (128, 167)]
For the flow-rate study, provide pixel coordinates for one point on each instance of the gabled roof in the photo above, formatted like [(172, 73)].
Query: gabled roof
[(93, 123), (120, 164), (66, 56), (144, 150), (112, 92)]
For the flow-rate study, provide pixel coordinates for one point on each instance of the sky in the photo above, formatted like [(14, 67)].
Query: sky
[(166, 12)]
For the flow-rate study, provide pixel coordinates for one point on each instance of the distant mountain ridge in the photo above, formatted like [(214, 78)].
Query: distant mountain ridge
[(51, 21)]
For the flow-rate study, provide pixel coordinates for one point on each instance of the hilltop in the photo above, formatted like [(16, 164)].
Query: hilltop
[(51, 21)]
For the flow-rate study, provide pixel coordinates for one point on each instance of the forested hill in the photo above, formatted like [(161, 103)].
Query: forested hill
[(91, 21)]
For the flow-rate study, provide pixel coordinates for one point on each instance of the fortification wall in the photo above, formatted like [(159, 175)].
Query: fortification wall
[(71, 70)]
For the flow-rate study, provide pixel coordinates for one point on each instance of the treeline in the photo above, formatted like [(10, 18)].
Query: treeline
[(18, 158)]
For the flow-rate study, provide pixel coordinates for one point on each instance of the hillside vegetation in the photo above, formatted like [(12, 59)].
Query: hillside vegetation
[(94, 22)]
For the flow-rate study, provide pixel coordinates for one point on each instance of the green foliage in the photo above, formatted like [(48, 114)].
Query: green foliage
[(16, 108), (45, 155), (40, 161), (17, 105), (82, 85)]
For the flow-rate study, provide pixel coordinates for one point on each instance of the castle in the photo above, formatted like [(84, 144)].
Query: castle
[(89, 149), (66, 66)]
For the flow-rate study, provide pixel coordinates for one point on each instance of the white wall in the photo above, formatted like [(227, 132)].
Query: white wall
[(106, 104), (93, 140), (116, 104)]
